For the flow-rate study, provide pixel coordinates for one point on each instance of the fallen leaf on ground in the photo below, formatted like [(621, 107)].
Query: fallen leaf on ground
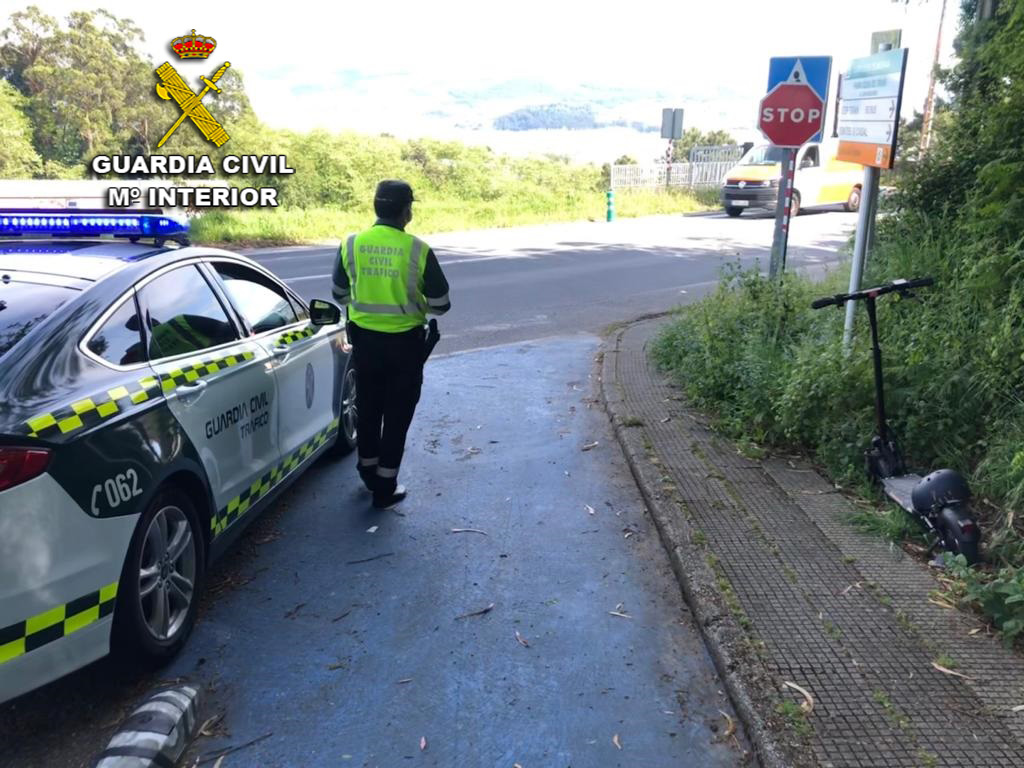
[(730, 727), (615, 741), (1018, 708), (294, 611), (808, 703), (666, 420), (590, 509), (220, 761), (423, 743), (516, 765), (522, 640), (372, 529), (206, 729), (620, 614), (338, 665), (941, 604), (481, 612), (369, 559), (947, 671), (589, 446), (468, 530), (975, 631), (856, 585), (405, 680), (339, 618)]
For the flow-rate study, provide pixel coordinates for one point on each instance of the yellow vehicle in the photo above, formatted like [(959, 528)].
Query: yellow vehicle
[(821, 179)]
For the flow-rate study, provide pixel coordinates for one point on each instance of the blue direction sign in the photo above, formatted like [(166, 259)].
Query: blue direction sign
[(815, 71)]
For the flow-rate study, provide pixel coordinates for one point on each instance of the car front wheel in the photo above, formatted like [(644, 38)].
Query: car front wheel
[(853, 201), (162, 579), (349, 414), (794, 209)]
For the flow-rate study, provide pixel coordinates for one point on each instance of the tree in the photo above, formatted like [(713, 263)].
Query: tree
[(694, 137), (90, 91), (18, 159)]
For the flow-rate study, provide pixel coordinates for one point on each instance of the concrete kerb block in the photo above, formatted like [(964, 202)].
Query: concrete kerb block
[(696, 580), (157, 733)]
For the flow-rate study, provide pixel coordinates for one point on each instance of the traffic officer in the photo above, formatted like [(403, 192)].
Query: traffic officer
[(390, 280)]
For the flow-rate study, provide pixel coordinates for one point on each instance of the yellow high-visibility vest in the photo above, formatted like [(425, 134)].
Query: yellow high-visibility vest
[(385, 269)]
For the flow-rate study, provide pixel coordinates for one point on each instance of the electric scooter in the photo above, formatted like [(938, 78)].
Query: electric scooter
[(938, 501)]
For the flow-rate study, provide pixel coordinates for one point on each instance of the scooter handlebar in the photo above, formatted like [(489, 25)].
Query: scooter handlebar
[(895, 285), (920, 282), (826, 302)]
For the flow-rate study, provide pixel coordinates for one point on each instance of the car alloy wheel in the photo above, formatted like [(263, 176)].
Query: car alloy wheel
[(167, 573), (349, 412)]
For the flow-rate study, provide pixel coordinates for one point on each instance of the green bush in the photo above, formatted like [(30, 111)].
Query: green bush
[(999, 595)]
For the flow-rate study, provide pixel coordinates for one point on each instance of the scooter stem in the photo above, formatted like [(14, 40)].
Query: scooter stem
[(876, 352)]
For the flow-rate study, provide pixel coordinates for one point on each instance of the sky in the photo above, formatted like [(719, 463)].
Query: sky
[(431, 69)]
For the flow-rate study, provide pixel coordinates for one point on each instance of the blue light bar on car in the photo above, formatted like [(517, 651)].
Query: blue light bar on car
[(82, 223)]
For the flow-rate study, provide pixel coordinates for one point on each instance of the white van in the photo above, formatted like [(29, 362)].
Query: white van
[(821, 179)]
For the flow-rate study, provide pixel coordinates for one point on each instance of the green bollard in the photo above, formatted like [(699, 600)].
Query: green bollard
[(611, 205)]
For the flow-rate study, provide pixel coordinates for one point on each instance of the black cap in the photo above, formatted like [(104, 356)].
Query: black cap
[(394, 191)]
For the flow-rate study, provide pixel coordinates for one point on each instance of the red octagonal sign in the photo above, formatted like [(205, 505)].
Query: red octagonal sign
[(791, 114)]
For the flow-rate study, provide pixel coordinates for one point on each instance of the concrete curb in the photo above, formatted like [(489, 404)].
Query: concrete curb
[(156, 734), (718, 627)]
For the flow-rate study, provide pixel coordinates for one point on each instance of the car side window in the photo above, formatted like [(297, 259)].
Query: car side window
[(262, 303), (300, 309), (810, 158), (119, 339), (183, 314)]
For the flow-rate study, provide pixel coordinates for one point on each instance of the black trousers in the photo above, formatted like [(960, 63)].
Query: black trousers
[(389, 376)]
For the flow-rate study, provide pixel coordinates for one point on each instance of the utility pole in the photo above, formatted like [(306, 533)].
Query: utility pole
[(929, 107)]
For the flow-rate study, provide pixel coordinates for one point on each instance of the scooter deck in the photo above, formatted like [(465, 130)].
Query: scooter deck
[(899, 488)]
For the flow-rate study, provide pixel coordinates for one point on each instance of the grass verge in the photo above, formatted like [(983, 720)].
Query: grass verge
[(285, 226)]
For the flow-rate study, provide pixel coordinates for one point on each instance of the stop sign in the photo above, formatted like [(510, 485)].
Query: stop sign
[(791, 114)]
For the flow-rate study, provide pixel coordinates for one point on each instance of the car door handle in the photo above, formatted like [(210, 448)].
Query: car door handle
[(189, 392), (280, 351)]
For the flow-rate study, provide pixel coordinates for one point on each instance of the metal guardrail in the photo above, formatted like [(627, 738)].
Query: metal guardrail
[(706, 168)]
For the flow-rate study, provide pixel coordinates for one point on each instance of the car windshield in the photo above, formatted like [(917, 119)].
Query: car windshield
[(23, 306), (763, 155)]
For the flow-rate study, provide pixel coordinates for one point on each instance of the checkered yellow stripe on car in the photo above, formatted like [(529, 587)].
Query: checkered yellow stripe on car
[(292, 336), (242, 503), (93, 409), (36, 631), (171, 380)]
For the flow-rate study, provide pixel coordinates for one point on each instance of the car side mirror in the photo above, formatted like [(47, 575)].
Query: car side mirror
[(323, 312)]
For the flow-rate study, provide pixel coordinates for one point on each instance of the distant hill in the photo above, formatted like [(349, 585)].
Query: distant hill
[(550, 116), (574, 117)]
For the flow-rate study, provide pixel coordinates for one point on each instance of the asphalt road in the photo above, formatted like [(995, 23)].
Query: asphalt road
[(353, 663), (527, 283)]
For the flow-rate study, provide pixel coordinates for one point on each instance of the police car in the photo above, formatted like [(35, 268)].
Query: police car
[(154, 398)]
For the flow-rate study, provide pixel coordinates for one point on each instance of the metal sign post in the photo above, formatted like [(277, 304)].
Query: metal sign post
[(870, 101), (671, 129), (777, 265)]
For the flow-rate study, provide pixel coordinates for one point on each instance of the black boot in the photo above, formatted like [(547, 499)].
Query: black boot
[(387, 499), (369, 477)]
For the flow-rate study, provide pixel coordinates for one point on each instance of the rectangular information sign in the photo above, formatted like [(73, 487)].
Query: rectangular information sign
[(869, 108)]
